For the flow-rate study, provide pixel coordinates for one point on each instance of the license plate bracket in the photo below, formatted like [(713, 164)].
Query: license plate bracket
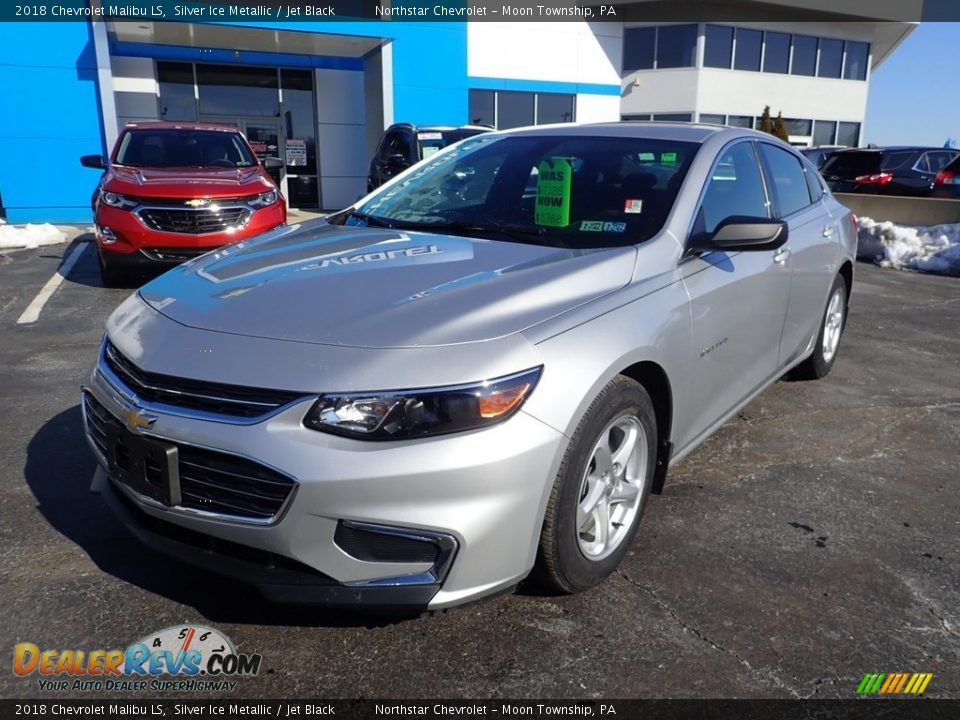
[(147, 466)]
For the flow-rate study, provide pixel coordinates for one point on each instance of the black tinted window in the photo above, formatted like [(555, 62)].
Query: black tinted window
[(482, 107), (851, 164), (855, 67), (515, 109), (804, 55), (748, 49), (735, 188), (776, 52), (677, 46), (894, 160), (848, 133), (718, 46), (831, 58), (787, 178), (638, 46)]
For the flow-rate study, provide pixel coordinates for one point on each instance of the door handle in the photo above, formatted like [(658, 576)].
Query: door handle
[(781, 255), (828, 231)]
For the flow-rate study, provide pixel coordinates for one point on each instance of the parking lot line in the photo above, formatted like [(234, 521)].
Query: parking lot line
[(32, 313)]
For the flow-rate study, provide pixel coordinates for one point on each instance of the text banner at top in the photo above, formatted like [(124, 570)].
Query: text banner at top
[(273, 11)]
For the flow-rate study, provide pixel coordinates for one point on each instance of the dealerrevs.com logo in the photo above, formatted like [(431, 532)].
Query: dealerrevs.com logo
[(198, 659)]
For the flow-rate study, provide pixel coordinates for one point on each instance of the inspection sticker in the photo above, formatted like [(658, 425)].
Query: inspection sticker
[(429, 136), (617, 227), (591, 226), (634, 207)]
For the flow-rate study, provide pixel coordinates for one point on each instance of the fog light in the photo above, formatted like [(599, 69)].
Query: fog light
[(106, 236)]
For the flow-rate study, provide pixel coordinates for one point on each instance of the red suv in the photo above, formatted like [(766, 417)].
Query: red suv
[(172, 191)]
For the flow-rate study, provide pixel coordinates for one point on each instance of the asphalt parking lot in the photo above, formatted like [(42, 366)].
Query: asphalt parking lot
[(814, 539)]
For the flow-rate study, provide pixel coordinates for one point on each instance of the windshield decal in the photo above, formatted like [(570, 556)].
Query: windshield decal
[(633, 207), (553, 192)]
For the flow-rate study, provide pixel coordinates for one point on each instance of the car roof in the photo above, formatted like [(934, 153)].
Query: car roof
[(678, 131), (896, 148), (167, 125)]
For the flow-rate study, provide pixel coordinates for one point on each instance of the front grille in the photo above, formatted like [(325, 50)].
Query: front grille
[(195, 222), (209, 480), (382, 547), (219, 398), (183, 202), (174, 255)]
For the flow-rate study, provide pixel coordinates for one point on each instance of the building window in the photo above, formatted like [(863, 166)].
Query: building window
[(855, 66), (636, 117), (747, 53), (176, 91), (798, 127), (554, 108), (804, 56), (824, 132), (848, 133), (776, 52), (238, 90), (483, 109), (741, 121), (639, 46), (831, 58), (504, 109), (713, 119), (676, 46), (672, 117), (718, 46)]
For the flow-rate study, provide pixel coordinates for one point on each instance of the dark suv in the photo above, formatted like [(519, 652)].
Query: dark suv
[(886, 171), (404, 144), (947, 182)]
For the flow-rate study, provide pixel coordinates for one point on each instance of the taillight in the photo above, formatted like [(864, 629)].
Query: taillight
[(874, 179), (945, 177)]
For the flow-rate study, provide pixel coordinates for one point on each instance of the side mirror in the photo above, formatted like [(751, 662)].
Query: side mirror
[(93, 161), (742, 233), (272, 163)]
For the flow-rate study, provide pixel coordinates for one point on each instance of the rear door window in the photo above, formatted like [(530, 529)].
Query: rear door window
[(787, 178)]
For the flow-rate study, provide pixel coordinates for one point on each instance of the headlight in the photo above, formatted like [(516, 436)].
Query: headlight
[(418, 413), (117, 200), (263, 199)]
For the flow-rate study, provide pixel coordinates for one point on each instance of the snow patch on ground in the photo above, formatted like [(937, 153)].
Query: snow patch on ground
[(29, 236), (934, 249)]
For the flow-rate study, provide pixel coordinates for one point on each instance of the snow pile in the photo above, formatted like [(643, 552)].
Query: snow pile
[(29, 236), (934, 249)]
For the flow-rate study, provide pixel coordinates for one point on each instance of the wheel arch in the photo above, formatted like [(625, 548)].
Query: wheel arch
[(657, 384), (846, 272)]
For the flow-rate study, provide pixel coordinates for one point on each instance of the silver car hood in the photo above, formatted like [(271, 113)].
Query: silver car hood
[(381, 288)]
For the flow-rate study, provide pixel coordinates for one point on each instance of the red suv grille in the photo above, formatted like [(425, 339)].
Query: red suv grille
[(195, 222)]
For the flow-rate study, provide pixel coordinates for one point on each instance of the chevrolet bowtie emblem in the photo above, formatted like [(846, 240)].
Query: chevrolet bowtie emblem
[(136, 419), (197, 202)]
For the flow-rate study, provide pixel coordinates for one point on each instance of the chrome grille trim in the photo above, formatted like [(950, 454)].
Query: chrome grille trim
[(215, 401), (194, 221)]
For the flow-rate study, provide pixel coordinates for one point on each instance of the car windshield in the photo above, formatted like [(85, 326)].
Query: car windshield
[(432, 141), (172, 147), (561, 190)]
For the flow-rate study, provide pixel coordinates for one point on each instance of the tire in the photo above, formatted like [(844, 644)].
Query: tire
[(111, 275), (576, 553), (828, 338)]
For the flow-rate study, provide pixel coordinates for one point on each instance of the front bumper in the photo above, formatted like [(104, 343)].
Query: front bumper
[(484, 491)]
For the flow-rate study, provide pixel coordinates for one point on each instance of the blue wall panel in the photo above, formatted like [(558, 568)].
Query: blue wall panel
[(49, 76)]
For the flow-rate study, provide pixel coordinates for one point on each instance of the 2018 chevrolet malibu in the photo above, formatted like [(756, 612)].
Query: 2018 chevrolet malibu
[(483, 368)]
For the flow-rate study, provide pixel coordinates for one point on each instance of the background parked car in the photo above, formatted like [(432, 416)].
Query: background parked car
[(818, 154), (404, 144), (172, 191), (886, 171), (947, 182)]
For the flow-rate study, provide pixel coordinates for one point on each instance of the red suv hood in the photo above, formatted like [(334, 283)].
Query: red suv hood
[(187, 182)]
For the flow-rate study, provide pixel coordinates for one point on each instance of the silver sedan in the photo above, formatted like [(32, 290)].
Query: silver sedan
[(481, 370)]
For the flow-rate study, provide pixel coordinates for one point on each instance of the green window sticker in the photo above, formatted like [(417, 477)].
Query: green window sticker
[(668, 158), (553, 192)]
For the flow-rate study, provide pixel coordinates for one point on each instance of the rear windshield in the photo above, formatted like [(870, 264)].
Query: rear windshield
[(171, 147), (852, 164), (432, 141)]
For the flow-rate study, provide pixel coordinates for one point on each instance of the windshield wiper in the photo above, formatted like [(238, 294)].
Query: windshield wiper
[(372, 220)]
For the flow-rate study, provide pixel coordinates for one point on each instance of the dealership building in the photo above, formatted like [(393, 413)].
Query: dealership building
[(320, 94)]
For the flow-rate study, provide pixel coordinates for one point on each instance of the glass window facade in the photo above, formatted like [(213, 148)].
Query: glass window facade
[(176, 91), (831, 58), (848, 133), (483, 109), (505, 109), (676, 46), (238, 90), (554, 108), (855, 63), (639, 46), (804, 56), (748, 48), (713, 119), (718, 46), (824, 132), (776, 52)]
